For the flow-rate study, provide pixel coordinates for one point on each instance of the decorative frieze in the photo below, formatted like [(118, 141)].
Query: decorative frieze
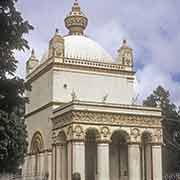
[(106, 118)]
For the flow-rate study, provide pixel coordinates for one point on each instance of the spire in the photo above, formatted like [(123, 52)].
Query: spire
[(76, 22)]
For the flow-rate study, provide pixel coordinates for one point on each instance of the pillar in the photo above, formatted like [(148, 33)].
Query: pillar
[(157, 161), (148, 161), (134, 162), (49, 165), (78, 158), (103, 161), (58, 162), (69, 161), (53, 162)]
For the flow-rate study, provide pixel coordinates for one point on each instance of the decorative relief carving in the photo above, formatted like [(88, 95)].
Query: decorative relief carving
[(105, 132), (157, 137), (106, 118), (135, 135), (78, 131)]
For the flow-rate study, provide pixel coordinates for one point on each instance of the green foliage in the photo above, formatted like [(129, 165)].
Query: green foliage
[(12, 141), (171, 124), (13, 133)]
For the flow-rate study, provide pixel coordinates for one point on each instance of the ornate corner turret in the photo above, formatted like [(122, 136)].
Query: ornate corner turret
[(76, 22), (56, 46), (125, 55), (31, 63)]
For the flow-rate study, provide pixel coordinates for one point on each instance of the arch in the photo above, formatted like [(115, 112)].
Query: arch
[(37, 143), (146, 154), (92, 132), (62, 138), (146, 136), (91, 137), (118, 153), (121, 135)]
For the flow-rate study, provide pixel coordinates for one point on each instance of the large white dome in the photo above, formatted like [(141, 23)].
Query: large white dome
[(81, 47)]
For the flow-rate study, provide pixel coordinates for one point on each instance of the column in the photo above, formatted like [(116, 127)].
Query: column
[(103, 161), (49, 167), (78, 158), (58, 162), (134, 162), (53, 162), (64, 161), (42, 165), (157, 161), (69, 161), (148, 161)]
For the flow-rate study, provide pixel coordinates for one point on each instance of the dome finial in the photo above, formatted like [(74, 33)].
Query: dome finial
[(57, 31), (76, 22)]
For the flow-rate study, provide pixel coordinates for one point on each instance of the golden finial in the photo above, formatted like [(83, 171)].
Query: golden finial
[(76, 22)]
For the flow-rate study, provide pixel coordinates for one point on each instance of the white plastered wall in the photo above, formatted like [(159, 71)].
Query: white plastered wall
[(40, 122), (41, 92), (89, 86)]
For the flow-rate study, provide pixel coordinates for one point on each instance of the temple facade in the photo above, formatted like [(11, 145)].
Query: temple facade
[(81, 116)]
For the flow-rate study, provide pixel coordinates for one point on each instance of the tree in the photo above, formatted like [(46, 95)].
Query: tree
[(171, 125), (13, 145)]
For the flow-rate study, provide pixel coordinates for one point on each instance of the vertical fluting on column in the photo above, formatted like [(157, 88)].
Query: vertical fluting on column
[(134, 162), (103, 168), (157, 161), (78, 158)]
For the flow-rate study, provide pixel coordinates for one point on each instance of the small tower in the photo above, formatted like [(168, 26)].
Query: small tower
[(76, 22), (31, 63), (56, 46), (125, 55)]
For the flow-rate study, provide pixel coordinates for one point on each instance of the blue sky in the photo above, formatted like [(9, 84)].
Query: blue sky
[(152, 29)]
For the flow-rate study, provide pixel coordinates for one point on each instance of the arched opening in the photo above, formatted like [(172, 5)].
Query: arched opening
[(91, 154), (146, 156), (37, 146), (61, 156), (119, 156)]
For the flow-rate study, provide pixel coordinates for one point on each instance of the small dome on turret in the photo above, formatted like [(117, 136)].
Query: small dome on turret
[(76, 22)]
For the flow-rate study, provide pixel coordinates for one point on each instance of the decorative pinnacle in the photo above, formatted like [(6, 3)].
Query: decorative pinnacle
[(76, 22), (124, 41)]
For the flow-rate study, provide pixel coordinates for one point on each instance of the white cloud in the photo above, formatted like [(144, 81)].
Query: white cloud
[(150, 77), (152, 29)]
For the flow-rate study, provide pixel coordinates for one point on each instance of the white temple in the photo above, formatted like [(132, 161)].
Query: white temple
[(81, 117)]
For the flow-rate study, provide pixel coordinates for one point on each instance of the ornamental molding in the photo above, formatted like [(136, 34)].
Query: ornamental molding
[(73, 63), (102, 118)]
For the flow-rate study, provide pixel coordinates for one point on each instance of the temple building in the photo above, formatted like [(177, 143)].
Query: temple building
[(81, 116)]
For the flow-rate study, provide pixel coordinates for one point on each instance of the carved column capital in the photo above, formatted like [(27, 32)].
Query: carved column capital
[(135, 136), (75, 133)]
